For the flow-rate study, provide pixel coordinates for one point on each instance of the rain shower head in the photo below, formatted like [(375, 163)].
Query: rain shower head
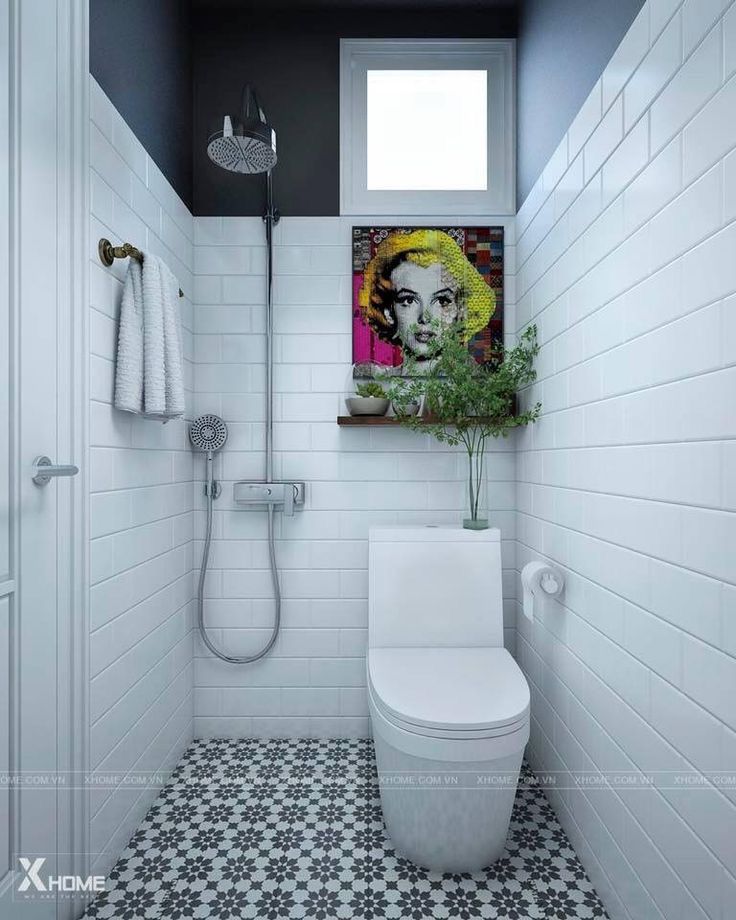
[(244, 143), (208, 433)]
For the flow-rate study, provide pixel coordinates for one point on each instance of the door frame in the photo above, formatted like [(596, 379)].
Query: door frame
[(73, 302), (66, 75)]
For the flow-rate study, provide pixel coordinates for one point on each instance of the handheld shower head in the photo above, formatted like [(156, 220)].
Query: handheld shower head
[(208, 433), (245, 143)]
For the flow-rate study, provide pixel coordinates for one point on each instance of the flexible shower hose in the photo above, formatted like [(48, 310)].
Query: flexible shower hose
[(270, 218), (237, 659)]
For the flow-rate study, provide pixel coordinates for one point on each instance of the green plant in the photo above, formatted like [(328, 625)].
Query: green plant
[(465, 402), (370, 389)]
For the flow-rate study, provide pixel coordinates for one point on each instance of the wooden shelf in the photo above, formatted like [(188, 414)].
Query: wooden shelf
[(356, 421), (347, 421), (371, 421)]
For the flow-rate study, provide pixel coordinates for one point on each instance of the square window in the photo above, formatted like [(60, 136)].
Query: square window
[(427, 127), (427, 130)]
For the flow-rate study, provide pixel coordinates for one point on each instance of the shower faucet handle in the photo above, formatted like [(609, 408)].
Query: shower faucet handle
[(289, 499), (288, 495)]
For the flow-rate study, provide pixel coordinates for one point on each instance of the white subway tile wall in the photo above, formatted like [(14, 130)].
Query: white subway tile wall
[(141, 508), (314, 681), (625, 254)]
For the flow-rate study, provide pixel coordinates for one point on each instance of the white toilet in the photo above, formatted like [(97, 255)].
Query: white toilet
[(449, 705)]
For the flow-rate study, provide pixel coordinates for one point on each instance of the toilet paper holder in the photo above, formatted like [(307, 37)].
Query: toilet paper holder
[(539, 576)]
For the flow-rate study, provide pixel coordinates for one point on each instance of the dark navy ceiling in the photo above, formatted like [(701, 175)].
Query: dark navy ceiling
[(172, 66), (255, 6)]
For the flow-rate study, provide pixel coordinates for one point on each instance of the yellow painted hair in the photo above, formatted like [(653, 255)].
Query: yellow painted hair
[(425, 247)]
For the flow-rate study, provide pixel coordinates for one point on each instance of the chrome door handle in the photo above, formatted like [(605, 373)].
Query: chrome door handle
[(45, 470)]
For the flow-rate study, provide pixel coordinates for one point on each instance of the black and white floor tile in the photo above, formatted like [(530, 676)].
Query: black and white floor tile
[(292, 829)]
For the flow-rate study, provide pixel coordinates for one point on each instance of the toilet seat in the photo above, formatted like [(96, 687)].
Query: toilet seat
[(451, 693)]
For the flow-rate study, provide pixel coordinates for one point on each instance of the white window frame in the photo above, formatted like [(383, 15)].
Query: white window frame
[(496, 56)]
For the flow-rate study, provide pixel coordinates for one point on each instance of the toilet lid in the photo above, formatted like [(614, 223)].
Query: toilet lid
[(449, 688)]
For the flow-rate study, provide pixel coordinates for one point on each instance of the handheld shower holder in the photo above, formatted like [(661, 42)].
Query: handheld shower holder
[(216, 488)]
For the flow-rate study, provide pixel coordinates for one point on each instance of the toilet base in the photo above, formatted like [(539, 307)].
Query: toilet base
[(446, 816)]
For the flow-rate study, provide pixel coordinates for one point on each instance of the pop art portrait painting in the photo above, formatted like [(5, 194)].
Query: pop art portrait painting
[(408, 281)]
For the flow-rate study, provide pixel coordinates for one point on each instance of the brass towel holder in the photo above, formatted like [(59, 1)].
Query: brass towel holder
[(108, 253)]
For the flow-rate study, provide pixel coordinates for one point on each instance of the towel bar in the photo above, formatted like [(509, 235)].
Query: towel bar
[(108, 253)]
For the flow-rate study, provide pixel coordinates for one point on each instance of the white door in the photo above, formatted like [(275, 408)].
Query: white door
[(40, 531)]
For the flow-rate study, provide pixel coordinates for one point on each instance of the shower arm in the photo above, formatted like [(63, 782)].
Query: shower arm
[(270, 218)]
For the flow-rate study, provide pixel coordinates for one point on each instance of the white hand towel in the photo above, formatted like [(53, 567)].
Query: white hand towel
[(154, 365), (149, 374), (129, 365), (174, 376)]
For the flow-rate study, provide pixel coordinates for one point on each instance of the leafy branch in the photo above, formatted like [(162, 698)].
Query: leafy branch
[(466, 402)]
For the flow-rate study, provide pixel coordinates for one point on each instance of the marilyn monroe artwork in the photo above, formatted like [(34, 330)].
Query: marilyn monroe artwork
[(407, 281)]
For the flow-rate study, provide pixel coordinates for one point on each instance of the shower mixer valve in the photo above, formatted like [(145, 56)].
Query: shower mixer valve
[(290, 495)]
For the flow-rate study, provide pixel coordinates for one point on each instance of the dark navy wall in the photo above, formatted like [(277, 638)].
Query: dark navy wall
[(293, 58), (170, 70), (141, 55), (563, 47)]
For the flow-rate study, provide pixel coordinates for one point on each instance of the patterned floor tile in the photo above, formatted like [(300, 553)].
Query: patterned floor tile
[(272, 829)]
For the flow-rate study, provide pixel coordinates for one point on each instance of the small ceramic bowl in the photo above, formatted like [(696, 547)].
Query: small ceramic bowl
[(366, 405)]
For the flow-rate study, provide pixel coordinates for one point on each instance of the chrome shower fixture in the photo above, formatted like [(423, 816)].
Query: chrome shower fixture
[(247, 144), (208, 433), (244, 143)]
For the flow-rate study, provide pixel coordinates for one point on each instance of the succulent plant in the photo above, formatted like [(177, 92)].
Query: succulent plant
[(371, 390)]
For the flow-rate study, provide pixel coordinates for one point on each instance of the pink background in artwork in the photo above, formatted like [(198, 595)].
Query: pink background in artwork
[(367, 347)]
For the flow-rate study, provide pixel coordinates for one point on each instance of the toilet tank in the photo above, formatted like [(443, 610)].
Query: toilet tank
[(434, 586)]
